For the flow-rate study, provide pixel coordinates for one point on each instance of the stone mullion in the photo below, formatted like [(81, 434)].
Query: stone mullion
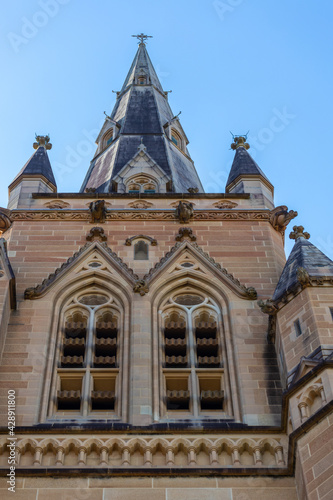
[(89, 359), (193, 375)]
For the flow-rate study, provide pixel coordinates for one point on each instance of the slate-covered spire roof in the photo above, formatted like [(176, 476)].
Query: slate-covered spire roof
[(38, 164), (141, 115), (305, 260), (243, 164)]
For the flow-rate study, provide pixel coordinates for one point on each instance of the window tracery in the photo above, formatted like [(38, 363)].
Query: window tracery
[(192, 356), (88, 358), (142, 184)]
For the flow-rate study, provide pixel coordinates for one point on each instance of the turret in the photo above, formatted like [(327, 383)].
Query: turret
[(247, 177), (35, 177)]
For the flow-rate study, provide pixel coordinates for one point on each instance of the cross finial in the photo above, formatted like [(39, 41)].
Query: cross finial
[(298, 232), (142, 38)]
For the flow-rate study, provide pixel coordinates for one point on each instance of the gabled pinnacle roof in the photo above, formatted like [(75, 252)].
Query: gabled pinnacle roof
[(37, 165), (143, 115), (304, 256), (244, 164)]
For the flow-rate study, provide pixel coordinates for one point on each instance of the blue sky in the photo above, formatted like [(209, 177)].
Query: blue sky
[(233, 65)]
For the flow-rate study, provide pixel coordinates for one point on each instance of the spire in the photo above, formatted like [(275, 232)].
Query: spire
[(38, 164), (245, 174), (142, 116), (305, 261)]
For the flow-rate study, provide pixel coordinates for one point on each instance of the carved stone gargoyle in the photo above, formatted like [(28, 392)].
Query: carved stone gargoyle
[(303, 276), (5, 220), (98, 211), (251, 293), (141, 287), (280, 218), (269, 307), (192, 190), (96, 233), (184, 212)]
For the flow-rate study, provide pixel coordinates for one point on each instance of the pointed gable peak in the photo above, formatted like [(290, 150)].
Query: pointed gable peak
[(38, 164), (243, 164), (142, 71), (306, 265)]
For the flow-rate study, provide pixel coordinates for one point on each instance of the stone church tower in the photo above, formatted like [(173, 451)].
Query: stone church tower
[(157, 342)]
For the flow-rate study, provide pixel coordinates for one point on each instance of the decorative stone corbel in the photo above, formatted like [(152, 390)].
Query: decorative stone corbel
[(185, 232), (141, 287), (251, 293), (184, 212), (280, 218), (96, 233)]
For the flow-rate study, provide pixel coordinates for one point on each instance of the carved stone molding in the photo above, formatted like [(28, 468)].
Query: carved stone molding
[(57, 204), (225, 204), (140, 204), (5, 219), (96, 233), (98, 211), (280, 218), (39, 290), (153, 242), (247, 292), (185, 232)]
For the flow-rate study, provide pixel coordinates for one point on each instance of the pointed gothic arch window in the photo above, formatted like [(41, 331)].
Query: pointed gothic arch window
[(141, 250), (88, 360), (193, 381), (141, 184)]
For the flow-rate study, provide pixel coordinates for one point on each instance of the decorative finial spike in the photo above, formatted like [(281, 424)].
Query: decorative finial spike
[(298, 232), (142, 37), (239, 141), (42, 141)]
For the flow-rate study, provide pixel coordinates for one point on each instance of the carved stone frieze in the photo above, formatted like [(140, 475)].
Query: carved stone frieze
[(124, 215), (39, 290), (96, 233), (184, 212), (280, 218), (98, 211), (185, 232)]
